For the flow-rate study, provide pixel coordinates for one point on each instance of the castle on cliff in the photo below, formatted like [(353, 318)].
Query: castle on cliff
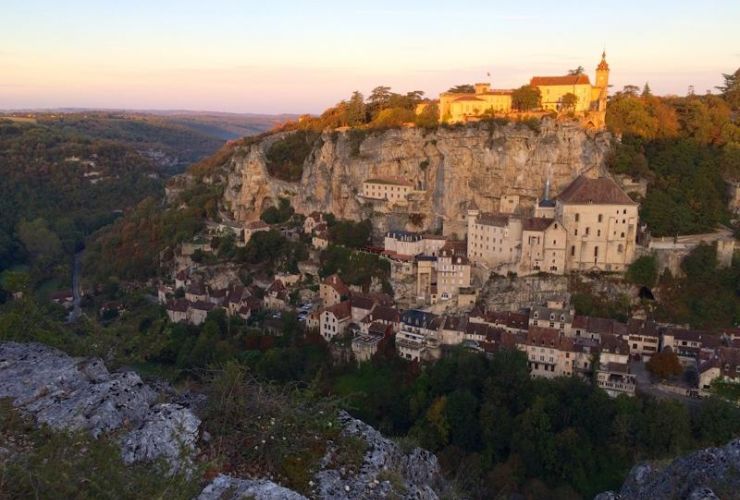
[(585, 101)]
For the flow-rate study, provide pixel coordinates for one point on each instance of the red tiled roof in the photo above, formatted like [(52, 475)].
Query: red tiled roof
[(341, 310), (581, 79), (337, 284), (601, 191), (468, 98), (257, 224), (536, 223)]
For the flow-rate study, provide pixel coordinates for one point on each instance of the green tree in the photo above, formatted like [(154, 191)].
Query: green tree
[(643, 271), (568, 102), (464, 88), (429, 116), (356, 113), (525, 98)]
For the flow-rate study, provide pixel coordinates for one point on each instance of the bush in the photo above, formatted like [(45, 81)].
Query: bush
[(286, 156), (643, 271), (277, 215)]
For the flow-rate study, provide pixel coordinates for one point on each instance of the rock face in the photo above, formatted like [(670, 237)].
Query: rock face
[(80, 394), (450, 167), (386, 471), (507, 294), (705, 474), (231, 488)]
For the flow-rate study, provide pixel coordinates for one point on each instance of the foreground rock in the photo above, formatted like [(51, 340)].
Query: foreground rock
[(229, 487), (386, 471), (69, 393), (702, 475)]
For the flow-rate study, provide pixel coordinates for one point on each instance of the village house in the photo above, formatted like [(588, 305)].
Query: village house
[(613, 374), (320, 238), (554, 315), (643, 338), (335, 319), (254, 227), (594, 328), (417, 339), (333, 290), (198, 311), (177, 310), (387, 316), (364, 347), (196, 292), (311, 221), (276, 296), (392, 189)]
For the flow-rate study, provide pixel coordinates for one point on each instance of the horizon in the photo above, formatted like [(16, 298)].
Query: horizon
[(278, 59)]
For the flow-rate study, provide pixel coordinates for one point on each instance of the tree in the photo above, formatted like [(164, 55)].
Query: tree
[(646, 91), (356, 113), (42, 243), (577, 71), (665, 364), (464, 88), (630, 90), (643, 271), (731, 89), (429, 116), (525, 98), (568, 102)]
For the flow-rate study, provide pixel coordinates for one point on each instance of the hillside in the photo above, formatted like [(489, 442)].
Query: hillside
[(171, 140)]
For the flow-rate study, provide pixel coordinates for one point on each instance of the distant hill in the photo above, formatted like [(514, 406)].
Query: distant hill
[(171, 139)]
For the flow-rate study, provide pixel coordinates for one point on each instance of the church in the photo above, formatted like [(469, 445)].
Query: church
[(590, 100)]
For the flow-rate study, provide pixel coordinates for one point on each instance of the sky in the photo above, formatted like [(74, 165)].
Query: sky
[(285, 56)]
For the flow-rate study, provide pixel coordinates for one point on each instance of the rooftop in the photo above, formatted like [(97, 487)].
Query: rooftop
[(581, 79), (602, 190)]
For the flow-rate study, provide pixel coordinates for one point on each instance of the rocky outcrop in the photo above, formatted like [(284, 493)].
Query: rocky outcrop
[(80, 394), (450, 168), (511, 294), (705, 474), (224, 487), (386, 471)]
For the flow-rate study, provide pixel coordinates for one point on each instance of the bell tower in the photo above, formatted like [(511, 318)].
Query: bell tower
[(602, 81)]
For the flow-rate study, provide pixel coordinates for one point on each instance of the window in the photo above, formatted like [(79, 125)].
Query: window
[(598, 232), (578, 217), (596, 252), (572, 250), (588, 230), (601, 218)]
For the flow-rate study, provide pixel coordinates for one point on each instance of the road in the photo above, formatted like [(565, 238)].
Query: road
[(76, 311)]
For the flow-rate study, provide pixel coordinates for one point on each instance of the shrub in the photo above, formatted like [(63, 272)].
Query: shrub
[(643, 271), (286, 156)]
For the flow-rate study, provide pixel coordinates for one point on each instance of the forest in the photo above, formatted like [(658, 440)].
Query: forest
[(57, 188), (686, 147)]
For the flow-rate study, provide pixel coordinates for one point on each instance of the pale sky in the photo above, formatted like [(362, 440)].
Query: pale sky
[(285, 56)]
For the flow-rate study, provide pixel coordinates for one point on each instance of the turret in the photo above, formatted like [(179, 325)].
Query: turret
[(602, 73)]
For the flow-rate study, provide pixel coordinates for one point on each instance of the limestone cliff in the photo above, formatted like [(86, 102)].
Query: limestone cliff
[(449, 168)]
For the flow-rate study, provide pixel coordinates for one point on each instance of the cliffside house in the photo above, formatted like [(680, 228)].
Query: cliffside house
[(333, 290), (251, 228)]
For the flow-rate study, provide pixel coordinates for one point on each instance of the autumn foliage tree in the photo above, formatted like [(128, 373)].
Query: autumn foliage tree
[(665, 364)]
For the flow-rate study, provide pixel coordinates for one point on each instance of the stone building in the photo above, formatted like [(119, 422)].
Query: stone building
[(333, 290), (590, 100), (593, 228), (392, 189), (601, 223)]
